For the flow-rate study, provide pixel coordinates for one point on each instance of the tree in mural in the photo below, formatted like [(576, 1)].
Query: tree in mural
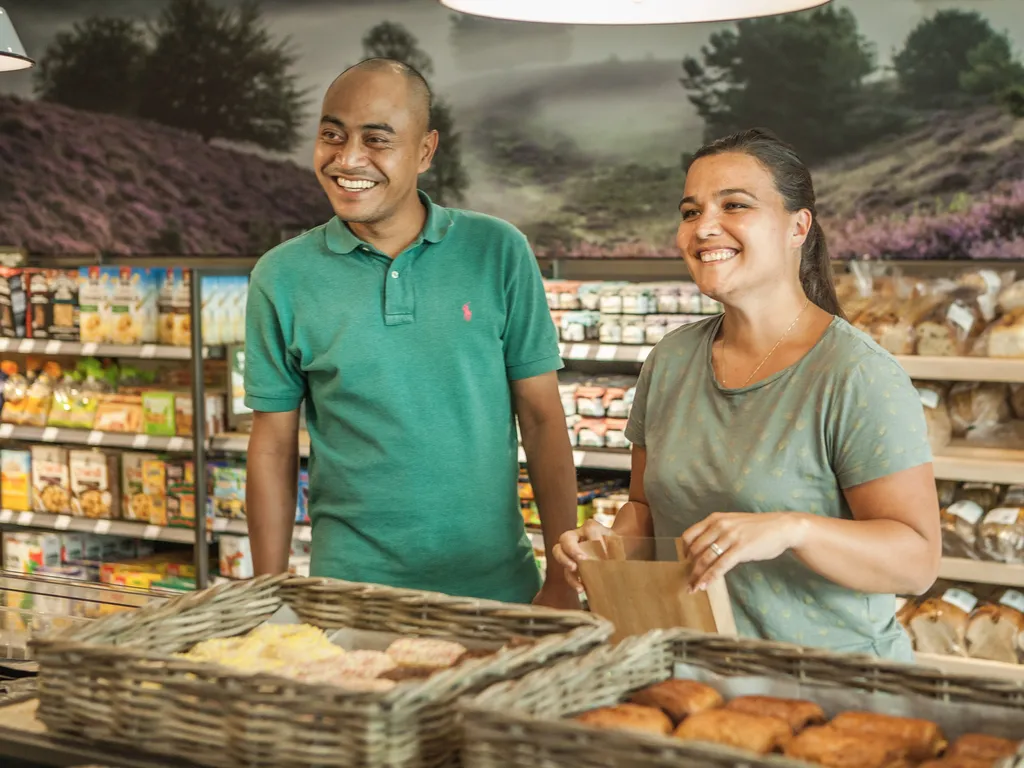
[(813, 96), (96, 66), (219, 73), (955, 52), (447, 180)]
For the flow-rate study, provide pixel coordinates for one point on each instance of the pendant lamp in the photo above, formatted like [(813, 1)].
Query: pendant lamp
[(12, 52), (628, 11)]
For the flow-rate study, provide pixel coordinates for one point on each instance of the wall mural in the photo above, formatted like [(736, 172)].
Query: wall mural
[(186, 126)]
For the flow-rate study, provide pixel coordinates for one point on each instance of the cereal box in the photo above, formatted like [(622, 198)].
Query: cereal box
[(64, 311), (51, 488), (94, 484), (154, 485), (94, 294), (158, 414), (133, 306), (15, 477), (181, 494), (135, 503)]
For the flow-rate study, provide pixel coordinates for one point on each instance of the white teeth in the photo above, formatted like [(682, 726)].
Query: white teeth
[(723, 254), (354, 185)]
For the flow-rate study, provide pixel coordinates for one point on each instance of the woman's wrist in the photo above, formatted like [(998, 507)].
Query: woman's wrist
[(799, 529)]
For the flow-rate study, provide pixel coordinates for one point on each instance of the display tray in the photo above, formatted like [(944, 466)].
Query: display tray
[(528, 723)]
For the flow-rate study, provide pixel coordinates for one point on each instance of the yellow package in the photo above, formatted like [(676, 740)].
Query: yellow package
[(15, 472), (154, 485)]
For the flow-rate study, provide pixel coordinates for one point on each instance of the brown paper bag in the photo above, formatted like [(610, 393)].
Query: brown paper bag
[(640, 584)]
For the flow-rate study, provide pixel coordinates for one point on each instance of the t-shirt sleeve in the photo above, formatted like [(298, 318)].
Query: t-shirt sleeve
[(638, 411), (530, 338), (274, 383), (878, 427)]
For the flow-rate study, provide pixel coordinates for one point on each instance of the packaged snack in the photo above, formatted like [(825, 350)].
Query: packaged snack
[(229, 492), (634, 330), (181, 306), (15, 479), (580, 326), (181, 494), (13, 302), (154, 485), (30, 552), (51, 487), (94, 484), (133, 306), (135, 503), (76, 397), (589, 294), (119, 413), (39, 316), (94, 295), (590, 401), (64, 311), (610, 330), (615, 437), (655, 329), (72, 547), (165, 306), (159, 417), (235, 557)]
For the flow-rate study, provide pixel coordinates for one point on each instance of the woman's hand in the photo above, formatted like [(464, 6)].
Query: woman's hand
[(568, 553), (723, 540)]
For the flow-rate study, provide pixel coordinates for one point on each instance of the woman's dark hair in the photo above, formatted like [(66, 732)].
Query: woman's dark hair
[(793, 181)]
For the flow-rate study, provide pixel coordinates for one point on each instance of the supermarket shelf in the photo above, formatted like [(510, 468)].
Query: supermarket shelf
[(127, 528), (75, 349), (93, 438), (618, 353), (977, 572), (968, 463), (957, 665), (963, 368), (595, 459), (238, 442)]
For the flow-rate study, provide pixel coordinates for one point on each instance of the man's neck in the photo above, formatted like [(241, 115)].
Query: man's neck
[(396, 233)]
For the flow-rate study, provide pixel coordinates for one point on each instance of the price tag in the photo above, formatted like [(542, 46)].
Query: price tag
[(5, 344), (968, 511), (95, 438), (140, 441), (6, 430), (579, 352), (53, 347), (49, 435), (177, 444), (929, 397), (606, 352), (89, 349), (578, 457), (220, 524), (642, 353), (6, 515), (101, 527), (25, 518), (960, 316), (26, 346), (305, 533), (965, 601), (1003, 516), (148, 351), (151, 532), (1013, 599), (62, 523)]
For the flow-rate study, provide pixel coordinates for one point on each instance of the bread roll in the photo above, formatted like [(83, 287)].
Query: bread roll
[(628, 717), (923, 738), (798, 714), (995, 630), (754, 733), (833, 748), (679, 698), (1001, 535), (982, 747), (939, 625)]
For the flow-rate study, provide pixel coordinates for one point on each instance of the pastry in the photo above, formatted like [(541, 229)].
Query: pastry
[(799, 714), (628, 717), (982, 747), (754, 733), (423, 652), (679, 698), (924, 738), (830, 747)]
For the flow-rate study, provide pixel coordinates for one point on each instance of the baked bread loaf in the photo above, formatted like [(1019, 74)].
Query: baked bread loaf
[(995, 630), (981, 747), (628, 717), (1006, 335), (936, 414), (679, 698), (798, 714), (923, 738), (952, 326), (833, 748), (1001, 535), (754, 733), (939, 625), (978, 406)]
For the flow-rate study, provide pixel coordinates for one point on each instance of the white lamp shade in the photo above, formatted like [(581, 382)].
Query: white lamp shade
[(628, 11), (12, 52)]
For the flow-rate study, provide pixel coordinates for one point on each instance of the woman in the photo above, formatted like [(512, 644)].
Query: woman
[(786, 448)]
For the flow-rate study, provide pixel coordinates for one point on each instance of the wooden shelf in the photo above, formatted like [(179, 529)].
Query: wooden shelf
[(963, 368), (968, 463), (980, 572), (957, 665)]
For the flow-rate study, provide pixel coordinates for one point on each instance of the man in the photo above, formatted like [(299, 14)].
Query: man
[(415, 334)]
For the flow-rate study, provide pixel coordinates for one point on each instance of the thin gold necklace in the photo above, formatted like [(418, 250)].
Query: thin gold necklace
[(772, 352)]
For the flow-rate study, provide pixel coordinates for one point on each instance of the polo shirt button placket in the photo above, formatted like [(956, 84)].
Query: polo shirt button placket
[(398, 296)]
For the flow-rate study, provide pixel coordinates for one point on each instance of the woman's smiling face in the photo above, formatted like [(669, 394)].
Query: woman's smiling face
[(736, 234)]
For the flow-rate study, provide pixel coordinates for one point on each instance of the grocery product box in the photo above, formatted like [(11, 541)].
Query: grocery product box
[(72, 548), (135, 503), (235, 557), (64, 309), (38, 316), (302, 498), (51, 486), (13, 302), (181, 494), (15, 480), (95, 484), (133, 306), (28, 552), (94, 295), (154, 486), (158, 414), (229, 492), (118, 413)]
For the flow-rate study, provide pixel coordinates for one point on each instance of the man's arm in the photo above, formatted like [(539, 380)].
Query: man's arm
[(552, 474), (272, 471)]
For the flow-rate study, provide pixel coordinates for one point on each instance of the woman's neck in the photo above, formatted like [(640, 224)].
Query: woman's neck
[(757, 324)]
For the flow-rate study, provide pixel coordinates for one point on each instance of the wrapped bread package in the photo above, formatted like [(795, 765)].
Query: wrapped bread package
[(936, 414), (959, 521), (1005, 337), (952, 326), (978, 407), (947, 491), (939, 625), (1001, 535), (995, 629)]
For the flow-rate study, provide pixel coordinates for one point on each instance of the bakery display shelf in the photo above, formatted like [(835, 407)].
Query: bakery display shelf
[(963, 368), (76, 349), (979, 572), (127, 528), (595, 458), (94, 438), (959, 665), (612, 353), (238, 442), (973, 464)]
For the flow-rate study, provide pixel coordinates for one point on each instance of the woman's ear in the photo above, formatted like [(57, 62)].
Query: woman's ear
[(802, 221)]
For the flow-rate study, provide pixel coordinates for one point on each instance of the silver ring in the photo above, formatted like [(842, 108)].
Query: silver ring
[(716, 549)]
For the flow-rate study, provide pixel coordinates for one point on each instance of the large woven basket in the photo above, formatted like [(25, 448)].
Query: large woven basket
[(115, 681), (522, 724)]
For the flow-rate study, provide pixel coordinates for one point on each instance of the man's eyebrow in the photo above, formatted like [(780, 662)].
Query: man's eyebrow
[(337, 121), (721, 193)]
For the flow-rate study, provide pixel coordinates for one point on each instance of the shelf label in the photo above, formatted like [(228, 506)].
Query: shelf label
[(148, 351), (151, 532), (305, 533), (101, 527), (49, 435), (579, 352), (26, 346), (6, 430), (140, 441), (6, 515), (968, 511), (606, 352), (578, 457), (25, 518), (95, 438), (53, 347), (929, 397), (220, 524), (1003, 516), (5, 344), (177, 444), (89, 349), (643, 353), (62, 522)]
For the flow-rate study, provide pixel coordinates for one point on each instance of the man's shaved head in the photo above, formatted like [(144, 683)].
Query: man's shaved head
[(421, 98)]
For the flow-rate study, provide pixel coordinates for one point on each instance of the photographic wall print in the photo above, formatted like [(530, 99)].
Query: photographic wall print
[(186, 126)]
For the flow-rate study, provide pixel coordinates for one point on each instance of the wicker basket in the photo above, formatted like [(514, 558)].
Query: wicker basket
[(115, 681), (522, 724)]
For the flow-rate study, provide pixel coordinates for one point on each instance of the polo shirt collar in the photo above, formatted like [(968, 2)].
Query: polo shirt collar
[(341, 239)]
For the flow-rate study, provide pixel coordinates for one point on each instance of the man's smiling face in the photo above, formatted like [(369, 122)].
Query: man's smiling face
[(372, 144)]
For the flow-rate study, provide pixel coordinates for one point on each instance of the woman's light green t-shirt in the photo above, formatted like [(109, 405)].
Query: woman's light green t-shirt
[(844, 415)]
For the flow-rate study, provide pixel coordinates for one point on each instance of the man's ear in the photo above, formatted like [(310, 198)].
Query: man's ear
[(427, 150)]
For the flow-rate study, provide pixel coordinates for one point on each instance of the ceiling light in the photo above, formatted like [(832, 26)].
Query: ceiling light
[(628, 11), (12, 52)]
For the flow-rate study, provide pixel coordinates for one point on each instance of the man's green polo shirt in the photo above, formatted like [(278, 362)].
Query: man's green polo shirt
[(405, 368)]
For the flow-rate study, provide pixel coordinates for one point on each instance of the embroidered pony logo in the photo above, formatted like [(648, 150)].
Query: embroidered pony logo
[(467, 313)]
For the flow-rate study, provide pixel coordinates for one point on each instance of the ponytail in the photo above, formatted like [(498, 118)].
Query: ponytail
[(816, 275)]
